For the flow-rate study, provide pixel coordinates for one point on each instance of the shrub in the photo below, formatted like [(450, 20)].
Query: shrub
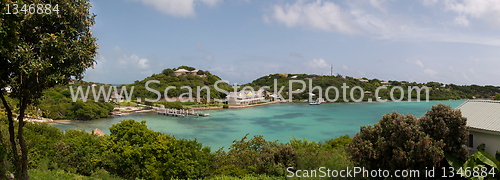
[(394, 143), (338, 142), (171, 105), (445, 124), (255, 156), (312, 155), (138, 152), (80, 152)]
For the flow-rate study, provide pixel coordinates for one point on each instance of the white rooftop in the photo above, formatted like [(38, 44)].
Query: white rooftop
[(482, 114), (181, 70)]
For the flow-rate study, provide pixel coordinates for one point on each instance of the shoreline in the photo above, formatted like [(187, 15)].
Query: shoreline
[(139, 110)]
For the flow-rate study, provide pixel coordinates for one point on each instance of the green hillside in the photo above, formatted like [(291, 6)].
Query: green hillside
[(437, 91), (168, 78)]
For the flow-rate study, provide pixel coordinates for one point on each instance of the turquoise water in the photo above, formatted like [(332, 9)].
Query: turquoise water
[(275, 122)]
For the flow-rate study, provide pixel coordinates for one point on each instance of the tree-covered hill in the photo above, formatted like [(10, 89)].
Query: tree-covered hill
[(437, 91), (168, 78)]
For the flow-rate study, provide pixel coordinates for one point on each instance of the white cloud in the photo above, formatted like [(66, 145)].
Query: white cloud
[(345, 67), (178, 8), (326, 16), (182, 8), (474, 59), (211, 3), (450, 68), (429, 2), (415, 62), (117, 49), (356, 19), (462, 21), (379, 4), (430, 71), (266, 19), (134, 61), (143, 63), (318, 63), (488, 10)]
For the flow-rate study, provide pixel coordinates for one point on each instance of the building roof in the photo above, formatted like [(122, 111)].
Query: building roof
[(182, 70), (97, 132), (482, 114), (195, 71)]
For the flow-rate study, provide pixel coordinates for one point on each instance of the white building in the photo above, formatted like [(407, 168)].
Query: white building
[(8, 89), (362, 80), (483, 117), (181, 71), (185, 72), (245, 97)]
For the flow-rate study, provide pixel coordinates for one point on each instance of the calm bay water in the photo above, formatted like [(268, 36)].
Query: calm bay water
[(275, 122)]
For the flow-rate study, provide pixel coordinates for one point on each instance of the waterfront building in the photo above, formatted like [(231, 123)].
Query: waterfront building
[(483, 117), (245, 97)]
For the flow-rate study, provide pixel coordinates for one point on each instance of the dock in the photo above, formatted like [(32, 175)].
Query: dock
[(180, 112)]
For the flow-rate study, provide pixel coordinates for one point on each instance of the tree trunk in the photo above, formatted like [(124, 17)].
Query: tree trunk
[(3, 163), (11, 132), (20, 136)]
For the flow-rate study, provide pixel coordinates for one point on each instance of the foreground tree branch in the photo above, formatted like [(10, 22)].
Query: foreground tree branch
[(39, 51)]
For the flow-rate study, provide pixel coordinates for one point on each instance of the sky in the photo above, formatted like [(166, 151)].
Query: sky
[(447, 41)]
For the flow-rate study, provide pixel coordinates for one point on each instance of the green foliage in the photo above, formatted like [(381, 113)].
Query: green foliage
[(134, 151), (338, 142), (171, 105), (436, 90), (38, 52), (166, 79), (397, 142), (497, 97), (65, 109), (331, 154), (80, 152), (168, 72), (442, 123), (255, 156), (40, 139), (57, 104), (186, 68), (481, 162), (37, 174), (137, 152), (394, 143), (247, 177)]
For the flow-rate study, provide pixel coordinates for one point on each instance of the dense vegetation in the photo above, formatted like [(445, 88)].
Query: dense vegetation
[(57, 103), (438, 91), (134, 151), (131, 150), (404, 142), (168, 78)]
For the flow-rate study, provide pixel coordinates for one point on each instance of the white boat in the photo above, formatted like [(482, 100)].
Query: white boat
[(314, 103)]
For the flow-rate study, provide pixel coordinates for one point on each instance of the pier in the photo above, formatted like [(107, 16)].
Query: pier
[(180, 112)]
